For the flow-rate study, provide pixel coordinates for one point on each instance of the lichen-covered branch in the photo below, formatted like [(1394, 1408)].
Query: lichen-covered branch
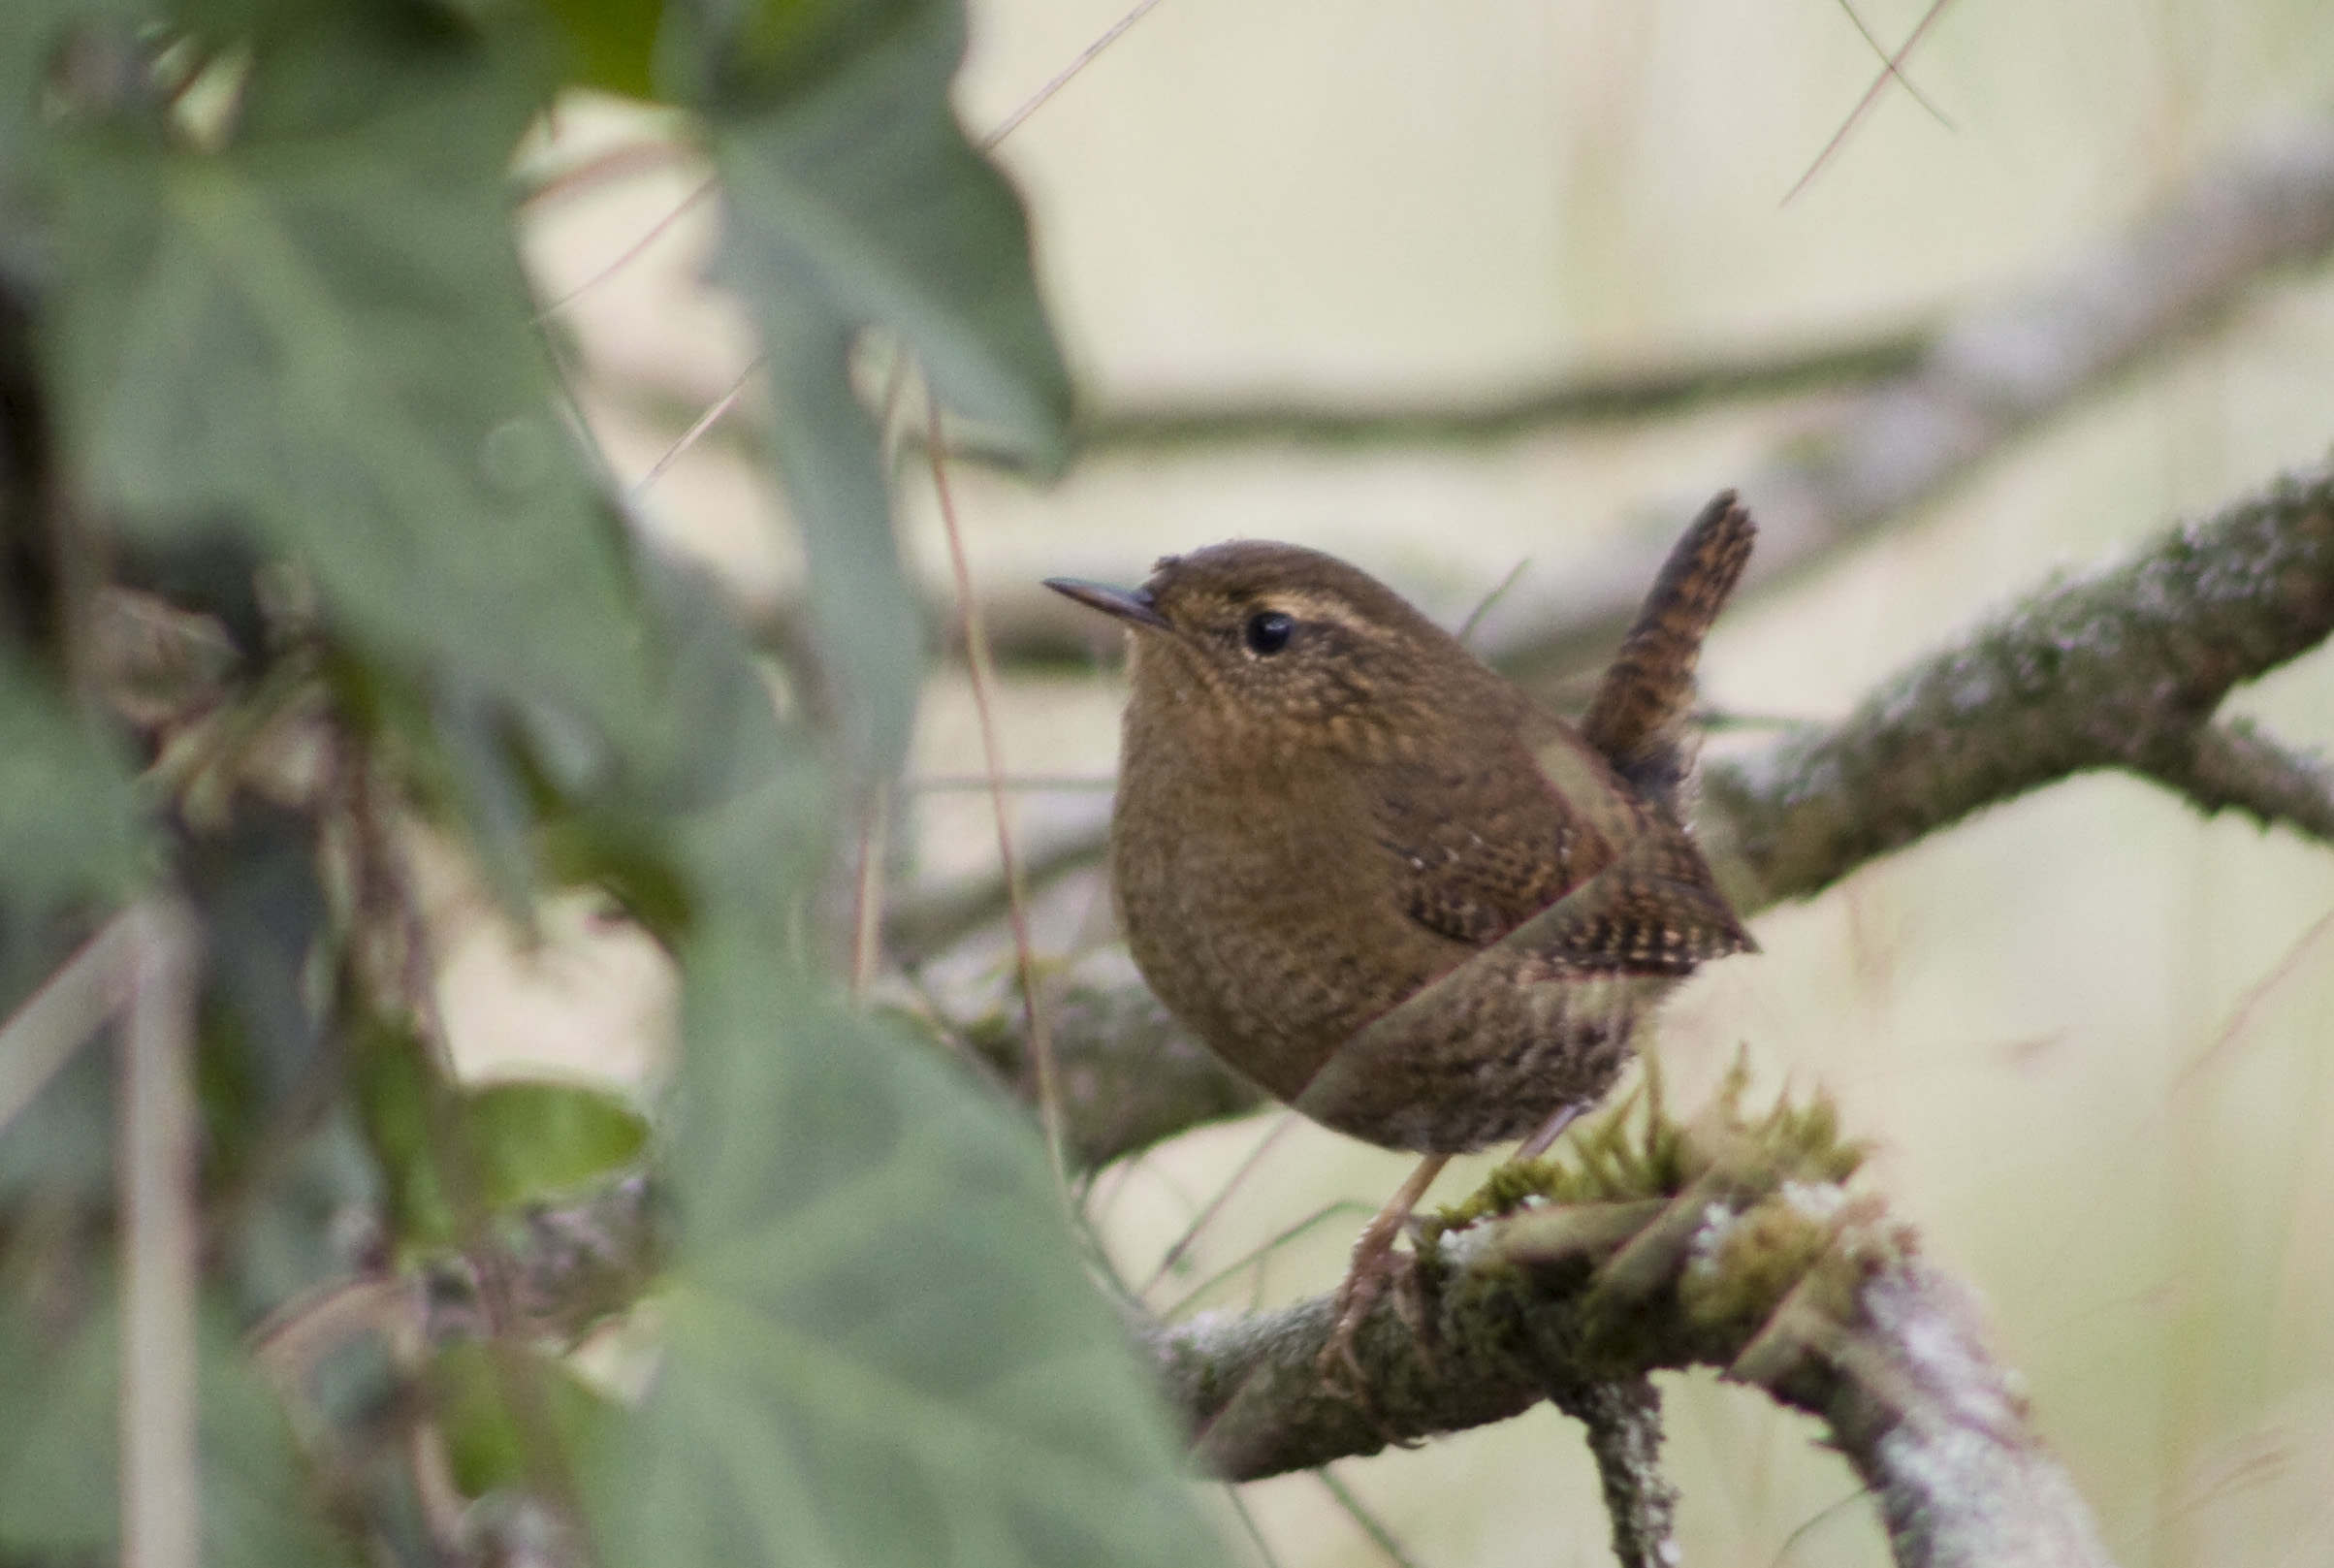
[(2235, 767), (1624, 1418), (1729, 1243), (2120, 668)]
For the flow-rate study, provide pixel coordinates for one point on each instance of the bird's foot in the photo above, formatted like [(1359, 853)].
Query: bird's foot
[(1375, 1264), (1372, 1271)]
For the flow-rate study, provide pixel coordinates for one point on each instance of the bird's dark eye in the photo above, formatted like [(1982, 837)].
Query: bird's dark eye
[(1269, 631)]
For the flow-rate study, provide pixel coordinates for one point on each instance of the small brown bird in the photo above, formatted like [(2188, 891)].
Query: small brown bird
[(1375, 878)]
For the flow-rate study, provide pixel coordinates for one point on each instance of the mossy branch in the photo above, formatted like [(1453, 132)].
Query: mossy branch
[(1730, 1241)]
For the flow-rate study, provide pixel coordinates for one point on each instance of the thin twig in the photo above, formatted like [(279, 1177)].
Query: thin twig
[(2193, 1071), (1231, 1184), (65, 1013), (1380, 1536), (1256, 1255), (1892, 71), (1903, 78), (690, 437), (1484, 605), (617, 163), (161, 1512), (1263, 1547), (976, 666), (1062, 78), (1821, 1516), (631, 253)]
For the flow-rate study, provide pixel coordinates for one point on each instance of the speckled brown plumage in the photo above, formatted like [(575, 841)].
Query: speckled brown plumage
[(1637, 719), (1372, 875)]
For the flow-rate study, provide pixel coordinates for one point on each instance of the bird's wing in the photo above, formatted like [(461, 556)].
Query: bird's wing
[(1481, 840)]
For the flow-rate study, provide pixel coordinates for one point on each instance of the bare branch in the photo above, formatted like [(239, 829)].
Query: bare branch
[(68, 1009), (1611, 399), (1989, 378)]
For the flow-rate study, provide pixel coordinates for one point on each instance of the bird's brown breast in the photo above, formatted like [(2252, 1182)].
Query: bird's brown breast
[(1279, 895)]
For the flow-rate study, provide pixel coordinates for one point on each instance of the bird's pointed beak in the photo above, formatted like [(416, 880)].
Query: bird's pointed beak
[(1131, 604)]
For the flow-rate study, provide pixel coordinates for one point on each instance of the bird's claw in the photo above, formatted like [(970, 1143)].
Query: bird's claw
[(1365, 1284), (1356, 1298)]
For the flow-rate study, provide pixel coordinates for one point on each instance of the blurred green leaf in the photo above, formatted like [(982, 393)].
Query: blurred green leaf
[(612, 42), (857, 194), (879, 1347), (482, 1439), (525, 1140), (30, 31), (320, 335), (56, 1449), (714, 732), (855, 201), (712, 737), (262, 911), (537, 1140), (871, 639), (390, 1073), (58, 1487), (70, 833)]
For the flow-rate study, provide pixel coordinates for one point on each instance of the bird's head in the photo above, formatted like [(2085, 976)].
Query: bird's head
[(1277, 639)]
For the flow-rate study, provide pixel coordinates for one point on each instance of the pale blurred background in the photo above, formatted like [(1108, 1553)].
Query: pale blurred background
[(2088, 1034)]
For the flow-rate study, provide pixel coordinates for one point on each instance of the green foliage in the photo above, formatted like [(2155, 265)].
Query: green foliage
[(31, 33), (855, 201), (317, 339), (59, 1485), (612, 44), (484, 1442), (850, 1374), (68, 833), (522, 1142), (296, 384), (538, 1142)]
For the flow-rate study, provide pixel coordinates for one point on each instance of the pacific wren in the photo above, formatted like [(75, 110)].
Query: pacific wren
[(1381, 882)]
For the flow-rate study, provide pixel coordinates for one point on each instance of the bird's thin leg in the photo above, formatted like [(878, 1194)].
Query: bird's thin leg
[(1375, 1261), (1551, 1130)]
